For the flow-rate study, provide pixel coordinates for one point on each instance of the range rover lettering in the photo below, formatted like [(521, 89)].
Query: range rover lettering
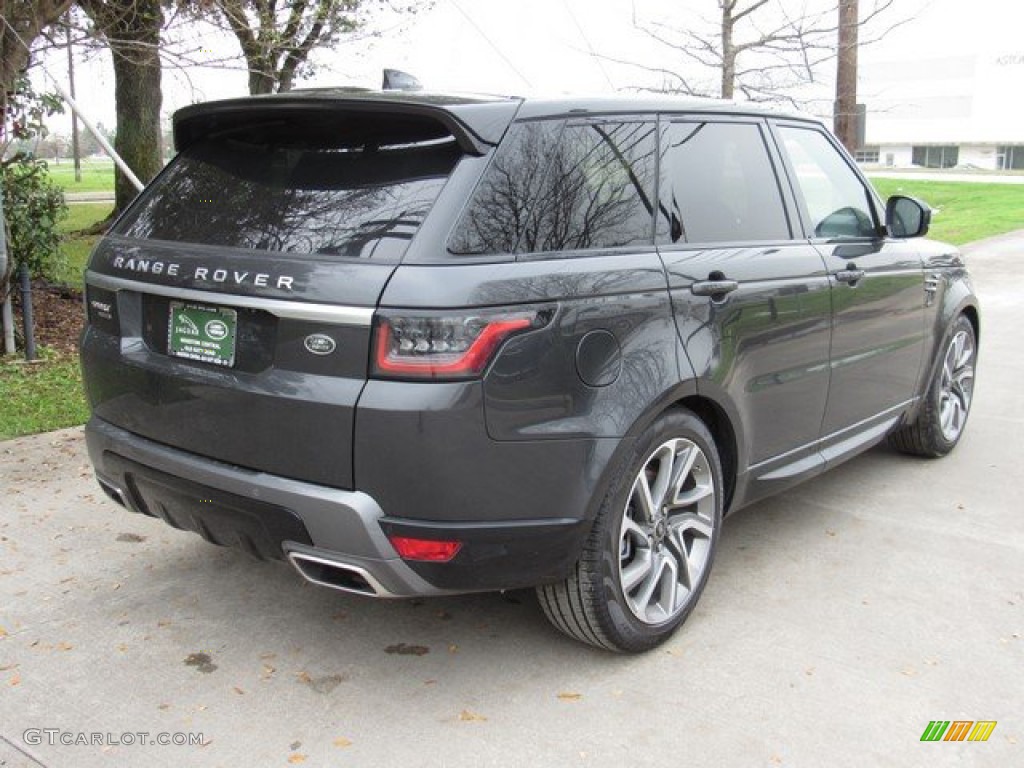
[(420, 344)]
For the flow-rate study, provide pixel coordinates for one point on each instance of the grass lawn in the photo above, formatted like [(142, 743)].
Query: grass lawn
[(97, 175), (963, 211), (40, 396), (77, 247)]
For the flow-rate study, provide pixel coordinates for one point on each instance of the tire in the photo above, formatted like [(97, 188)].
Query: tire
[(947, 403), (645, 565)]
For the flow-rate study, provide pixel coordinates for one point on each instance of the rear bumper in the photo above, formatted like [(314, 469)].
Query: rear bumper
[(335, 538)]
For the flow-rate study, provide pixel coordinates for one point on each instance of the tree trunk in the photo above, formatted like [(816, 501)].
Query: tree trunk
[(728, 52), (132, 29), (260, 79), (845, 117), (137, 102)]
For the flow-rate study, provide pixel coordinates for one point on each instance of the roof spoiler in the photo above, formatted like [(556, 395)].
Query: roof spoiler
[(198, 121)]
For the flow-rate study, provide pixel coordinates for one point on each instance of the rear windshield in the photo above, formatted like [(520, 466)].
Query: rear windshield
[(272, 190)]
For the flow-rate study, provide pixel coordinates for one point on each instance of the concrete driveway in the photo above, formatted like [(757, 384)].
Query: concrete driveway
[(840, 620)]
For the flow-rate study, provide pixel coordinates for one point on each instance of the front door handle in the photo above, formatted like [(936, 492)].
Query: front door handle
[(851, 275), (716, 289)]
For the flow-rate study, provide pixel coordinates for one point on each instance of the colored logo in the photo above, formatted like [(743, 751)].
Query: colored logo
[(958, 730)]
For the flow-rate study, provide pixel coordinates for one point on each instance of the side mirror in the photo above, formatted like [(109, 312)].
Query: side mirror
[(907, 217)]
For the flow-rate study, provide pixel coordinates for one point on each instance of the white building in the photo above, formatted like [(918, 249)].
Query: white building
[(957, 101)]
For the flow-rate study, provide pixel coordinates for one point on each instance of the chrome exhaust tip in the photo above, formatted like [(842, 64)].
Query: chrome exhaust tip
[(334, 574)]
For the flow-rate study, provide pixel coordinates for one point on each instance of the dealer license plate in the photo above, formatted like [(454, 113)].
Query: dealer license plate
[(206, 334)]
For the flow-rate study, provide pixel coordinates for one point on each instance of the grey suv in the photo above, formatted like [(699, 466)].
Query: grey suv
[(422, 344)]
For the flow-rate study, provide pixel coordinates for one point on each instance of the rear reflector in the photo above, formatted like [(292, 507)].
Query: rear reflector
[(430, 550)]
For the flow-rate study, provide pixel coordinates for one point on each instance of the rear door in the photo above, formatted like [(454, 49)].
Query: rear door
[(878, 291), (751, 300), (230, 309)]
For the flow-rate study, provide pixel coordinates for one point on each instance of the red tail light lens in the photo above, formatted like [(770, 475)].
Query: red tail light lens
[(445, 347), (425, 549)]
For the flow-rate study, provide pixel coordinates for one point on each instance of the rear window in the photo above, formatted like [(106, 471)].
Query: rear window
[(313, 193)]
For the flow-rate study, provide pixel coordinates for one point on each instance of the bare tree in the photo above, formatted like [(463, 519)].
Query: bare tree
[(276, 39), (761, 50)]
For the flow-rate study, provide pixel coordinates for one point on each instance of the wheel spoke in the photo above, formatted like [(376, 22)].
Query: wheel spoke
[(642, 493), (690, 522), (632, 527), (637, 570), (692, 496), (650, 584)]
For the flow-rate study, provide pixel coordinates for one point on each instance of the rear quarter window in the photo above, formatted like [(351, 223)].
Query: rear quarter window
[(554, 187)]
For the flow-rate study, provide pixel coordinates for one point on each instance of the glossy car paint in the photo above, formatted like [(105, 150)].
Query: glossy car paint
[(793, 371)]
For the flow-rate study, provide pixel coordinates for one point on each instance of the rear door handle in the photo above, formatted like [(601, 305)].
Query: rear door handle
[(849, 275), (716, 289)]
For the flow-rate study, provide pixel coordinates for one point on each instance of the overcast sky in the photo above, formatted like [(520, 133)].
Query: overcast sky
[(556, 46)]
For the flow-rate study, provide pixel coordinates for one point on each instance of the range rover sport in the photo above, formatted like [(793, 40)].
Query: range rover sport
[(420, 345)]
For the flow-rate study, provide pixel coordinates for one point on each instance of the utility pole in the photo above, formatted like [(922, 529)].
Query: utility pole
[(75, 152), (845, 119)]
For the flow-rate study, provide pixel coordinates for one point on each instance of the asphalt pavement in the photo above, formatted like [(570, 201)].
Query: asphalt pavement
[(840, 620)]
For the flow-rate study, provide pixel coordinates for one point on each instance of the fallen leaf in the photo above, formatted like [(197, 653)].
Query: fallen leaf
[(467, 716), (830, 532), (62, 646), (304, 677), (402, 649), (15, 680), (294, 745), (267, 672), (453, 648), (297, 758), (908, 671), (163, 706), (570, 696), (201, 661), (122, 647), (238, 690), (341, 742), (3, 632)]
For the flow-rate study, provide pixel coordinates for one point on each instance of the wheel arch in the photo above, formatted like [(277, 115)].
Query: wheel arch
[(718, 423)]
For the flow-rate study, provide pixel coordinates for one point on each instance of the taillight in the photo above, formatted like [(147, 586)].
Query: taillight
[(445, 346)]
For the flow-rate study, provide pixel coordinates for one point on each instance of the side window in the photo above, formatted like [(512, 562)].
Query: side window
[(718, 185), (589, 186), (833, 197), (498, 214)]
